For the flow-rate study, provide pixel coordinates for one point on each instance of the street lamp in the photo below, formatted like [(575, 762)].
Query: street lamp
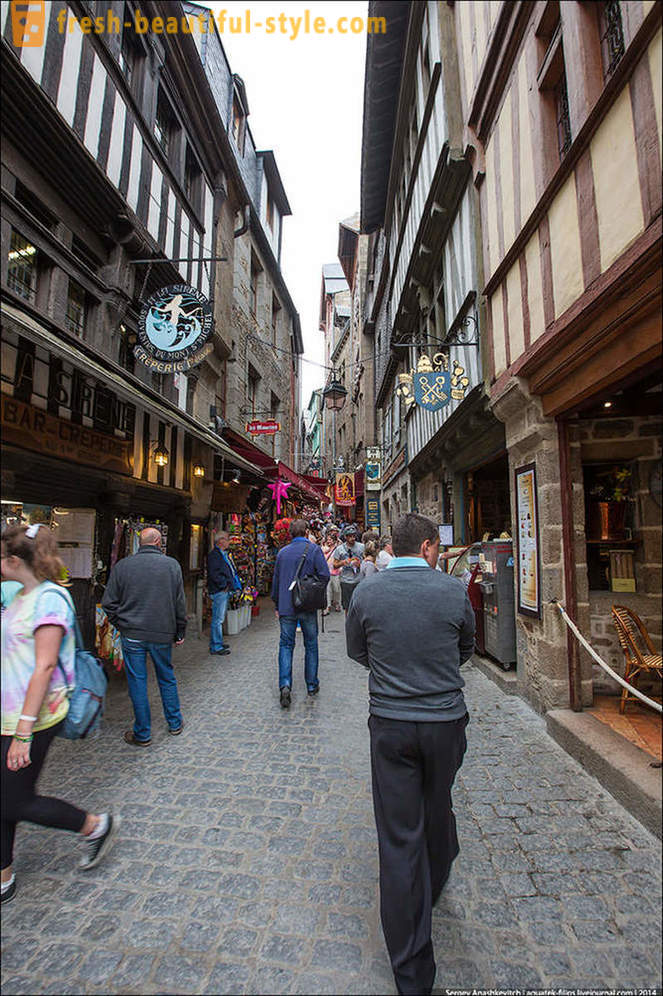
[(334, 395)]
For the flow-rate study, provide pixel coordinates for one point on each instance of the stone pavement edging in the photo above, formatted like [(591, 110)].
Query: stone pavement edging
[(623, 769)]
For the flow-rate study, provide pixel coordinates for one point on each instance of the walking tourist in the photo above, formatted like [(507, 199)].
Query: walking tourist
[(144, 600), (368, 563), (38, 646), (347, 559), (413, 627), (334, 586), (222, 580), (287, 562), (386, 553), (368, 536)]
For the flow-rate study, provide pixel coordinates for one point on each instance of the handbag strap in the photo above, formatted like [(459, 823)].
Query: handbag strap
[(301, 561)]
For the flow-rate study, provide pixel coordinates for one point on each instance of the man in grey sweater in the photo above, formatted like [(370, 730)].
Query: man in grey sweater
[(144, 600), (413, 627)]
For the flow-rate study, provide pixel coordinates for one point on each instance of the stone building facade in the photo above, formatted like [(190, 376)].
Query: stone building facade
[(562, 111)]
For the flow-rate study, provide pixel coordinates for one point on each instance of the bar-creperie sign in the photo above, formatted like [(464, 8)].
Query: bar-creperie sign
[(266, 428)]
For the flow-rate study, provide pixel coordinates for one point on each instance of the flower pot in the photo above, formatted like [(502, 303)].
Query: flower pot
[(231, 623), (245, 612), (606, 520)]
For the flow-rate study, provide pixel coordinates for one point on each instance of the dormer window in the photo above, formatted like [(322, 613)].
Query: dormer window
[(269, 212)]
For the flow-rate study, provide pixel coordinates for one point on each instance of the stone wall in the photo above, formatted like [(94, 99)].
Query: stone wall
[(542, 654)]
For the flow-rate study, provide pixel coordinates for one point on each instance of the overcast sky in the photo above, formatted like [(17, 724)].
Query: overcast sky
[(306, 102)]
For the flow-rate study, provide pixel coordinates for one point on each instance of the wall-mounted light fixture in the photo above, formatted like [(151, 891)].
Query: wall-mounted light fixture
[(161, 455), (235, 478), (198, 470)]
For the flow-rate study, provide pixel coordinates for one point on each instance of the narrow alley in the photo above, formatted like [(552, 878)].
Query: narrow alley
[(246, 860)]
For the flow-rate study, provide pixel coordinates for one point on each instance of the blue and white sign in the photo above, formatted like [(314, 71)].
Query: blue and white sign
[(432, 389), (174, 329)]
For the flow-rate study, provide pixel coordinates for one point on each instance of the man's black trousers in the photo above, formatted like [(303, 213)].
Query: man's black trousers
[(413, 767)]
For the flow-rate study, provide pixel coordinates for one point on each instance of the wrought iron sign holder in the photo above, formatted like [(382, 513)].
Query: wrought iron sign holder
[(436, 382)]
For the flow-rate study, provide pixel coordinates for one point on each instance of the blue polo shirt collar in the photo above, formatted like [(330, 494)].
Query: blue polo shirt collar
[(407, 562)]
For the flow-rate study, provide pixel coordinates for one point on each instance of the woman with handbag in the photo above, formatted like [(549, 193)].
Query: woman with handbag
[(37, 632)]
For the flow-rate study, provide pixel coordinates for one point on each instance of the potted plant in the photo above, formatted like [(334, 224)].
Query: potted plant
[(608, 494)]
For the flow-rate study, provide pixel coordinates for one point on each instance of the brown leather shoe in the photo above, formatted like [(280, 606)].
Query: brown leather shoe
[(129, 738)]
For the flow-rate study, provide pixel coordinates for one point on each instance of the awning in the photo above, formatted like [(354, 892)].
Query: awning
[(284, 472), (126, 390), (270, 467)]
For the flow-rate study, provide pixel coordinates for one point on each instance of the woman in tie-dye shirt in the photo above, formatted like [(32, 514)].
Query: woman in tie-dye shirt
[(37, 633)]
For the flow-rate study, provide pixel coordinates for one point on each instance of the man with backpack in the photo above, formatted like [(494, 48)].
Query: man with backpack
[(144, 600), (300, 559)]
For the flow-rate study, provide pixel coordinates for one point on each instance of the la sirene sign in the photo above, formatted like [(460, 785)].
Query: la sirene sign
[(174, 329)]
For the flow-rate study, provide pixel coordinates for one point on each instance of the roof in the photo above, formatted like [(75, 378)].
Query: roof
[(348, 238), (334, 278), (384, 63), (274, 181), (343, 311)]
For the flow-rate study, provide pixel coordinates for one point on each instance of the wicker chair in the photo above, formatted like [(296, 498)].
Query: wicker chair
[(639, 652)]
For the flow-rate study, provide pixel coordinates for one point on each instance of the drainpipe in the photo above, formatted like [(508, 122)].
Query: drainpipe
[(245, 224), (571, 595)]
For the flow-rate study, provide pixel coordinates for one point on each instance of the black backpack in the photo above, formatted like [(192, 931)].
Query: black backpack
[(308, 593)]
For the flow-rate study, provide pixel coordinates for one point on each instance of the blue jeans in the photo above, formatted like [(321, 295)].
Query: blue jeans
[(219, 609), (309, 624), (135, 663)]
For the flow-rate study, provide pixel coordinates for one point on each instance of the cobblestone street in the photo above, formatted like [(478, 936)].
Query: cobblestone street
[(246, 860)]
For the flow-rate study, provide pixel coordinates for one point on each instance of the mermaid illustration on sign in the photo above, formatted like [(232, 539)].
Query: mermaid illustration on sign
[(170, 326)]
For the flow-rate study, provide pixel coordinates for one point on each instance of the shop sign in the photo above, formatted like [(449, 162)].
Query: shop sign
[(397, 464), (266, 428), (433, 385), (174, 329), (38, 430), (372, 476), (529, 558), (345, 490), (372, 513)]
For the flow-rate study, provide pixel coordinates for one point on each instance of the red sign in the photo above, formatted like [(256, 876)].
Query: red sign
[(267, 428)]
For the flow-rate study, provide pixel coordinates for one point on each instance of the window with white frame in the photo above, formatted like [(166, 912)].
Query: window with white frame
[(22, 267)]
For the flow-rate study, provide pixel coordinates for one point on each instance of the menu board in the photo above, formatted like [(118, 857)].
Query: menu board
[(529, 559)]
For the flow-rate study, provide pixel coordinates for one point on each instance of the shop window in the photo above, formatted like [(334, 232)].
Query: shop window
[(34, 206), (76, 309), (276, 307), (611, 542), (192, 179), (612, 35), (22, 267)]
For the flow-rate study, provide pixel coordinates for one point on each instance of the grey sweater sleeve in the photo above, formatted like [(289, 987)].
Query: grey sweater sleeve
[(466, 640), (110, 601), (354, 635), (180, 604)]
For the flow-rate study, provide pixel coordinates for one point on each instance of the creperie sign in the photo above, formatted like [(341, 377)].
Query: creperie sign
[(267, 428)]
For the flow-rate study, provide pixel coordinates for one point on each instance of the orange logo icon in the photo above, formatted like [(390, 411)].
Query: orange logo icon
[(28, 23)]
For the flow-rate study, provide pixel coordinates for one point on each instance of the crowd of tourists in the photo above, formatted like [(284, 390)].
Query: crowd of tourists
[(407, 622)]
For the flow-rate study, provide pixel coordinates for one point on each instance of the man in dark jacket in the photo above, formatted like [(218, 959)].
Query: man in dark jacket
[(144, 600), (222, 579), (287, 562), (413, 627)]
